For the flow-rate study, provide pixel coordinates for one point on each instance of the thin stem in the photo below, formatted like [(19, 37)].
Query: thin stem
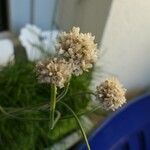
[(83, 93), (88, 112), (58, 117), (52, 105), (79, 123), (7, 114), (23, 110), (63, 93)]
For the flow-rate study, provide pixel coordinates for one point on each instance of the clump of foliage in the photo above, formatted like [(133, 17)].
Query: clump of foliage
[(19, 89)]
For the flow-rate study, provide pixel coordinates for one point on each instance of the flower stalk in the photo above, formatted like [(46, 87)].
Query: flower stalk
[(79, 124), (76, 53), (52, 105)]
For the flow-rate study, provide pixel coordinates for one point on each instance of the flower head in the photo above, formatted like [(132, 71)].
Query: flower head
[(55, 71), (111, 94), (77, 48)]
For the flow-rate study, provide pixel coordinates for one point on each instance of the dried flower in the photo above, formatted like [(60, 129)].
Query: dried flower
[(77, 48), (111, 94), (55, 71)]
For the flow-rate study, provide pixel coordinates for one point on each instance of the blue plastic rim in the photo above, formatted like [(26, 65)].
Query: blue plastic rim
[(126, 129)]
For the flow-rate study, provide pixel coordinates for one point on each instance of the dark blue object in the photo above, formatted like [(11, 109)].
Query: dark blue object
[(127, 129)]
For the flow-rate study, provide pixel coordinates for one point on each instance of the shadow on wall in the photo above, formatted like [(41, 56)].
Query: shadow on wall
[(90, 16)]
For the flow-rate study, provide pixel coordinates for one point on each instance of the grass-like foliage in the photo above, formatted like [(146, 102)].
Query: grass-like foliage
[(19, 89)]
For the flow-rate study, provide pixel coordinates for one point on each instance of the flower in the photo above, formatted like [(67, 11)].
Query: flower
[(37, 42), (77, 48), (54, 70), (110, 94)]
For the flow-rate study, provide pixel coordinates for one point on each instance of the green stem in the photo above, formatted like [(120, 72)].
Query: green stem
[(57, 118), (83, 93), (52, 105), (79, 123), (7, 114), (63, 93), (88, 112)]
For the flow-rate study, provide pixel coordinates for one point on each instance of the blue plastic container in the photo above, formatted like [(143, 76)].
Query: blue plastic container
[(127, 129)]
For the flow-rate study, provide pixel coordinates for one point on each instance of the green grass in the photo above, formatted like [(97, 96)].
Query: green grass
[(19, 88)]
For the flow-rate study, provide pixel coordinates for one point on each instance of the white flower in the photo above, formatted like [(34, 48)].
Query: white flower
[(77, 48), (111, 94), (55, 71), (37, 41)]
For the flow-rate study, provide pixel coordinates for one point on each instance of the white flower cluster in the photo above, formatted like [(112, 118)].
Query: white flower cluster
[(78, 49), (76, 53), (55, 71), (111, 94)]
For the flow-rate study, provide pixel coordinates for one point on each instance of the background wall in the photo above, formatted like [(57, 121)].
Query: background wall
[(126, 44), (38, 12), (89, 15), (19, 14)]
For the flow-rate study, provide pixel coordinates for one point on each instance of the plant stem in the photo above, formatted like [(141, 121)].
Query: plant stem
[(88, 112), (83, 93), (79, 123), (57, 118), (63, 93), (52, 105)]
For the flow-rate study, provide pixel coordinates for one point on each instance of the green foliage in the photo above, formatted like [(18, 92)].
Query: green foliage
[(19, 88)]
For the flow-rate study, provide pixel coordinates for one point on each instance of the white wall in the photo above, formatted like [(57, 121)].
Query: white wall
[(19, 14), (44, 13), (126, 44), (38, 12)]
